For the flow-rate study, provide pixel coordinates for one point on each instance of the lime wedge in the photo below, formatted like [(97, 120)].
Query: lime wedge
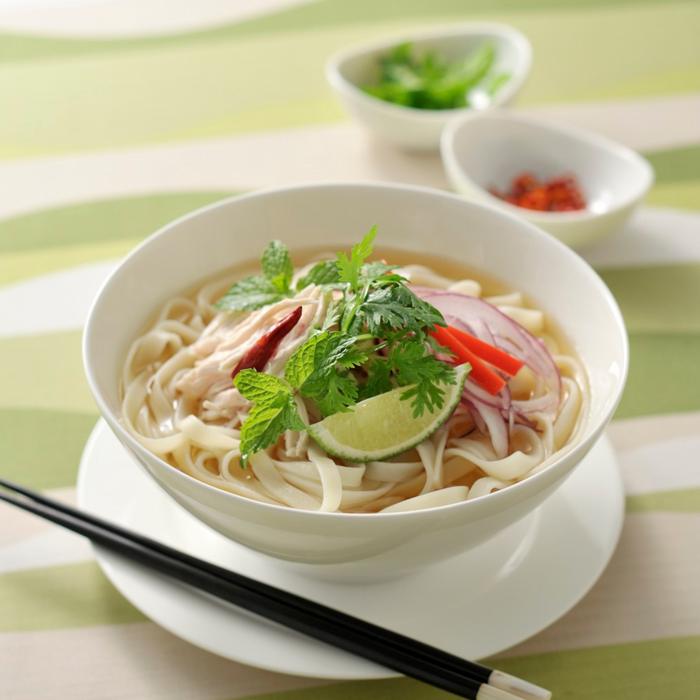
[(383, 426)]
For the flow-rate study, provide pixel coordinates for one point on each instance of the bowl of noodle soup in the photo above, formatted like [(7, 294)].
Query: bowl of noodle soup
[(161, 375)]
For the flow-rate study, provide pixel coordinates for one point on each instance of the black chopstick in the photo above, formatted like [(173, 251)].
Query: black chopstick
[(390, 649)]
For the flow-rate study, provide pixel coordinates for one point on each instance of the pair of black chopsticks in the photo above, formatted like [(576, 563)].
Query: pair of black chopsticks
[(395, 651)]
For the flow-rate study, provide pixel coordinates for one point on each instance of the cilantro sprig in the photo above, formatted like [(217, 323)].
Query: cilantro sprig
[(375, 338)]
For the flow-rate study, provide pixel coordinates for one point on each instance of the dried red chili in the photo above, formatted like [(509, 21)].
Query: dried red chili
[(259, 355), (557, 194)]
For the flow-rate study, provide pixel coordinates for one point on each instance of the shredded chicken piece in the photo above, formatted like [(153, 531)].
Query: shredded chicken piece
[(226, 340)]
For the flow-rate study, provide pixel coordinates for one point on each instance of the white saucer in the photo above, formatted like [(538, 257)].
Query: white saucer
[(474, 605)]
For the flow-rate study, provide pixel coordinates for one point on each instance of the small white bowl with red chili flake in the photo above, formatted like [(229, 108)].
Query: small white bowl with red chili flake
[(576, 185)]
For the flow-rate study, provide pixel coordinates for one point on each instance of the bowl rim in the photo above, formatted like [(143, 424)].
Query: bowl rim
[(340, 83), (113, 419), (453, 164)]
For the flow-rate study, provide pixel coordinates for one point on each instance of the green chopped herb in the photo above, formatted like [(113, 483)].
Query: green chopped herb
[(254, 292), (429, 81), (375, 338)]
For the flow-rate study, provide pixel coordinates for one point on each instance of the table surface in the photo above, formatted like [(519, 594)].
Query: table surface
[(119, 116)]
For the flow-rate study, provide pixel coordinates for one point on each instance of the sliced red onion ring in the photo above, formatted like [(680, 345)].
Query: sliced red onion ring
[(498, 414), (483, 319)]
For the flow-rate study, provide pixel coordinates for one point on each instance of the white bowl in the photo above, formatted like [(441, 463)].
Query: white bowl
[(209, 241), (419, 129), (481, 151)]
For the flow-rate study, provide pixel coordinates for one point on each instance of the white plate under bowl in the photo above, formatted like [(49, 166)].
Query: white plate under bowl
[(473, 605)]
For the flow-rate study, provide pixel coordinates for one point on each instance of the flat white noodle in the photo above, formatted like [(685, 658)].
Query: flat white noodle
[(330, 478), (179, 403), (278, 487), (350, 477), (530, 319), (393, 472), (469, 287), (483, 487), (443, 497)]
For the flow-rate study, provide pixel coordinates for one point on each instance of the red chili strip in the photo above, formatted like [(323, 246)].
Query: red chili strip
[(494, 356), (259, 355), (480, 373)]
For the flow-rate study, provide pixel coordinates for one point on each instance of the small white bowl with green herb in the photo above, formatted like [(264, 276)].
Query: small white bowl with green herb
[(406, 88)]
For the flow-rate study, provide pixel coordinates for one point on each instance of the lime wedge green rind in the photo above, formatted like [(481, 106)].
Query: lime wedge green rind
[(384, 426)]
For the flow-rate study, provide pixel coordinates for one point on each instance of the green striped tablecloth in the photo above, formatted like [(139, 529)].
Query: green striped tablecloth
[(118, 116)]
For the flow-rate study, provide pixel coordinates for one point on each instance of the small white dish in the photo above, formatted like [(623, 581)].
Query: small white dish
[(419, 129), (480, 151), (519, 582)]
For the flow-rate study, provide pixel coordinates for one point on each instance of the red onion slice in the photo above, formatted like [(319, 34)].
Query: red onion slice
[(487, 323)]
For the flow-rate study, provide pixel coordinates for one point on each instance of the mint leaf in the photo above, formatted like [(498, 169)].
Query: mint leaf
[(258, 387), (350, 269), (323, 273), (249, 294), (252, 293), (277, 266), (274, 411), (311, 363), (266, 422)]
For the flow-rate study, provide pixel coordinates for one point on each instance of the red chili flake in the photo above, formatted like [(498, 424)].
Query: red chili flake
[(259, 355), (561, 193)]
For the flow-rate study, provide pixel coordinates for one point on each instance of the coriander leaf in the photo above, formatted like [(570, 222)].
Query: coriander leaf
[(436, 347), (411, 365), (381, 273), (350, 269), (352, 356), (378, 380), (397, 307), (274, 411), (249, 294), (277, 266), (332, 316), (341, 394), (322, 273)]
